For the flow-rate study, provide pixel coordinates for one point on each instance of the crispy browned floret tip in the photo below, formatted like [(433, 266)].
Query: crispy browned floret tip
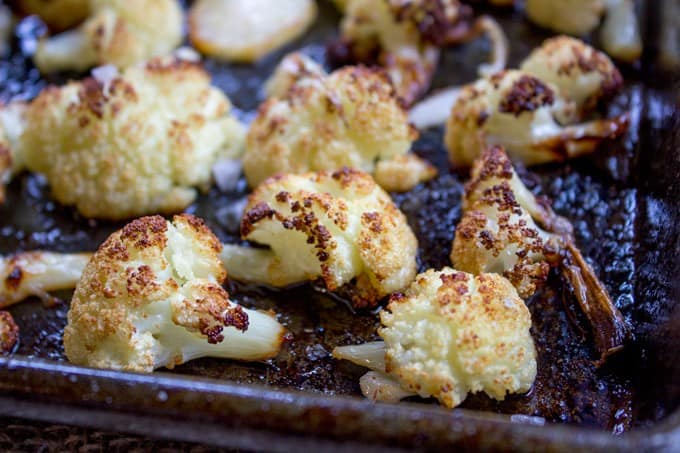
[(9, 333), (526, 95)]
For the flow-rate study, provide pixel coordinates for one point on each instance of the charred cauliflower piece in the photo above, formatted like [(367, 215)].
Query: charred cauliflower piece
[(335, 228), (12, 124), (9, 333), (117, 32), (349, 118), (402, 37), (57, 14), (151, 297), (449, 334), (247, 30), (520, 111), (499, 233), (580, 73), (137, 143), (620, 34)]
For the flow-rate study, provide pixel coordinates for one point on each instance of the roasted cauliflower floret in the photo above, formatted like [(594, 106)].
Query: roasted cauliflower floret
[(117, 32), (57, 14), (247, 30), (620, 34), (580, 73), (519, 111), (449, 334), (496, 234), (138, 143), (151, 297), (335, 228), (403, 37), (349, 118), (9, 333), (12, 122)]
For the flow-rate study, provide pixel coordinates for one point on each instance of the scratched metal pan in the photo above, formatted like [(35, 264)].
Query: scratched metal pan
[(623, 203)]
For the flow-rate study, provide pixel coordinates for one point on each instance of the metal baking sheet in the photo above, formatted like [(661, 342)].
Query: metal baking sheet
[(622, 201)]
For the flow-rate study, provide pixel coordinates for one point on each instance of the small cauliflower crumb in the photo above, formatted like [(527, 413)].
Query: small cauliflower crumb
[(116, 32), (339, 228), (348, 118), (151, 297), (9, 333), (136, 143), (449, 334)]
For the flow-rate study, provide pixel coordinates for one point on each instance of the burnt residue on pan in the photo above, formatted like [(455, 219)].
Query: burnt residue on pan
[(625, 217)]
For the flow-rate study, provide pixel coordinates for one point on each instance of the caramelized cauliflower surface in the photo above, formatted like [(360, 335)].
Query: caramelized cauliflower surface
[(402, 37), (339, 229), (9, 333), (497, 234), (247, 30), (151, 297), (139, 143), (117, 32), (519, 111), (449, 334), (348, 118), (57, 14), (581, 73)]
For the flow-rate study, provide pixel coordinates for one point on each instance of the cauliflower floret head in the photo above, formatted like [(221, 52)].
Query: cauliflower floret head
[(517, 110), (151, 296), (117, 32), (137, 144), (402, 37), (451, 333), (58, 14), (337, 228), (575, 17), (349, 118), (581, 73), (496, 234)]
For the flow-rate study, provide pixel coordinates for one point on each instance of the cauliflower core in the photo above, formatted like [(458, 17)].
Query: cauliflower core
[(349, 118), (152, 297), (519, 111), (449, 334), (337, 228), (117, 32), (137, 143)]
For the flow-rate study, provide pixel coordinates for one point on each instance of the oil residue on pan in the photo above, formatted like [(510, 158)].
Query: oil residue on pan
[(624, 214)]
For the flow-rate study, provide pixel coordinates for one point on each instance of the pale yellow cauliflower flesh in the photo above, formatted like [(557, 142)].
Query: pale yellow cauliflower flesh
[(348, 118), (12, 122), (117, 32), (151, 297), (449, 334), (336, 228), (141, 142)]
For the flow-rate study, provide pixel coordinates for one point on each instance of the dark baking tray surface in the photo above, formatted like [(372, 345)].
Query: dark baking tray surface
[(622, 201)]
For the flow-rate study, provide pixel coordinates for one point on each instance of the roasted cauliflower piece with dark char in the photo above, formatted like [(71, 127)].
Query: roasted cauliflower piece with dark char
[(348, 118), (135, 143), (117, 32), (151, 297), (339, 229), (449, 334), (9, 333), (521, 112), (504, 229)]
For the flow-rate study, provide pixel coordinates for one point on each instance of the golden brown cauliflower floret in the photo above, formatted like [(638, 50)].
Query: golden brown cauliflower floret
[(496, 234), (449, 334), (117, 32), (517, 110), (349, 118), (139, 143), (57, 14), (336, 228), (9, 333), (402, 37), (151, 297), (580, 73)]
